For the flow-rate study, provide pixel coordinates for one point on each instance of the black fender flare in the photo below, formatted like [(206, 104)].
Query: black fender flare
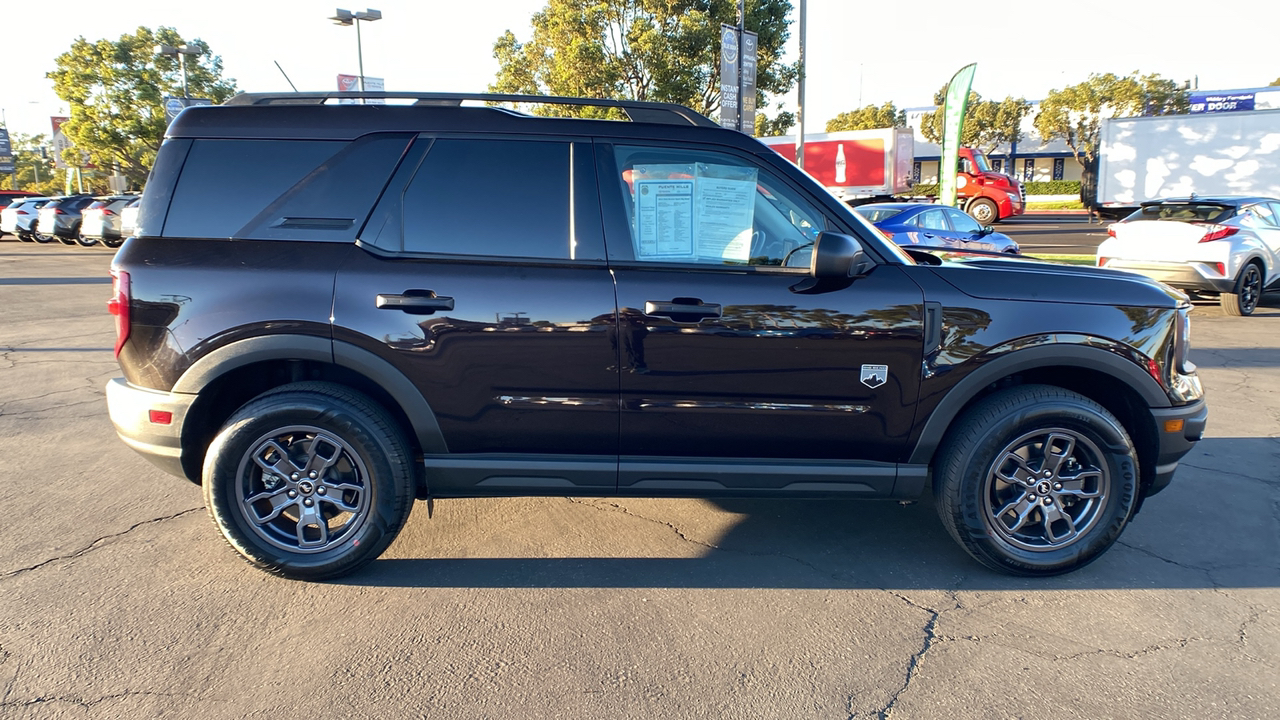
[(325, 350), (1086, 356)]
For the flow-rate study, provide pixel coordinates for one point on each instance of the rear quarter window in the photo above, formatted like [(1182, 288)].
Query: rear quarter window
[(1184, 212), (281, 189)]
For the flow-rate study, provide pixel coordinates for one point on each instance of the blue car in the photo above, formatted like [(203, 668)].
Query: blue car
[(935, 226)]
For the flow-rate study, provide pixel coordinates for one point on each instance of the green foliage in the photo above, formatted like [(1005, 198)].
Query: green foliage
[(987, 123), (32, 172), (779, 124), (1053, 187), (116, 90), (921, 189), (1074, 114), (1274, 83), (655, 50), (869, 118)]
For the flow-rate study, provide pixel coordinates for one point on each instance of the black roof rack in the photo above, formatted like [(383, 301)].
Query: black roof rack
[(635, 110)]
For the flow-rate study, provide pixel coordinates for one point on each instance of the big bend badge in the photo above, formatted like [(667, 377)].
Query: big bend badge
[(873, 376)]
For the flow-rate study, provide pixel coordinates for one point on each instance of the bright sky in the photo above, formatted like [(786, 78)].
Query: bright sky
[(871, 52)]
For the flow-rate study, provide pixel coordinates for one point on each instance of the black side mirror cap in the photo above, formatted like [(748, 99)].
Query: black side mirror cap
[(836, 259), (986, 230), (837, 256)]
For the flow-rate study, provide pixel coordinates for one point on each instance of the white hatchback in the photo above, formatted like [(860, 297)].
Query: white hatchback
[(1224, 246)]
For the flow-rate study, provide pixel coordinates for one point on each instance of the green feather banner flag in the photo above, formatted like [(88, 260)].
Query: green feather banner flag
[(953, 114)]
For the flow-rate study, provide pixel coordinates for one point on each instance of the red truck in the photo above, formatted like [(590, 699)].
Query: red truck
[(865, 166)]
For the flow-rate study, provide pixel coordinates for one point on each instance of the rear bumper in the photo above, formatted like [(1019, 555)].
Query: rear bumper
[(1182, 275), (1174, 445), (130, 409)]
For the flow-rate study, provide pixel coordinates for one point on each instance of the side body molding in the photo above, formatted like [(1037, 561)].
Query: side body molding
[(1091, 356), (323, 350)]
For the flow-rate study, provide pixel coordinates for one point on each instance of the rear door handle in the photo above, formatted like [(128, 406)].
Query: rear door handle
[(682, 309), (415, 302)]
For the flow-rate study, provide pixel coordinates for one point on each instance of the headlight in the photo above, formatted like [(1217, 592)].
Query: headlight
[(1182, 344)]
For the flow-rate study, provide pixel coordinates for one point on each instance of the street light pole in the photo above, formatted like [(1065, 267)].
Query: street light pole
[(346, 17), (181, 52)]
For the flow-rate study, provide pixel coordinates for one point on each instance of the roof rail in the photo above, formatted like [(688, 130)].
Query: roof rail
[(635, 110)]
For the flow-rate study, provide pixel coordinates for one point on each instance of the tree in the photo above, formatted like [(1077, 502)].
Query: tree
[(869, 118), (1074, 114), (1275, 82), (987, 123), (116, 91), (656, 50), (32, 171)]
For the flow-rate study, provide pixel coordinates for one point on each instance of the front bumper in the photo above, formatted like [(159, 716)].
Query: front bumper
[(130, 408), (1182, 275), (1174, 445)]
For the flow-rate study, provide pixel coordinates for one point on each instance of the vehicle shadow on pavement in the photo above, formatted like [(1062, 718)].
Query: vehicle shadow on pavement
[(1211, 528)]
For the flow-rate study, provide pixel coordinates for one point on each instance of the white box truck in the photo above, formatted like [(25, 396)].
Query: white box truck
[(1224, 153)]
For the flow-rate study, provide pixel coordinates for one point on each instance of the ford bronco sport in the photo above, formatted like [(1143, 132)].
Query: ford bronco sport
[(435, 300)]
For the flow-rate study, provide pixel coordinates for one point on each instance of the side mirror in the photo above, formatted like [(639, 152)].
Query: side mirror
[(836, 255), (986, 230)]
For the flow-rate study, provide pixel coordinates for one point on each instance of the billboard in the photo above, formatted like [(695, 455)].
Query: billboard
[(60, 142)]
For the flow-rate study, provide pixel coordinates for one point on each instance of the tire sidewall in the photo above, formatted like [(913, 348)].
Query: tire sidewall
[(261, 418), (1117, 454)]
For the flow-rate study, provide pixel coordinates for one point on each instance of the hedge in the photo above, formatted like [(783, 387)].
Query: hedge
[(1053, 187)]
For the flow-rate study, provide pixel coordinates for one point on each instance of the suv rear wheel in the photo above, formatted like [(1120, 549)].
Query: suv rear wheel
[(1036, 480), (309, 481)]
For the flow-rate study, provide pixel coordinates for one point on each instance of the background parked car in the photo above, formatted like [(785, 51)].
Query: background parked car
[(61, 218), (1225, 246), (101, 221), (935, 226), (128, 219), (20, 216)]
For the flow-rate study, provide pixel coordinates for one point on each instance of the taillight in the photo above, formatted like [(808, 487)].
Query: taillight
[(1221, 268), (105, 211), (1102, 261), (118, 305), (59, 211), (1217, 232), (23, 212), (1111, 231)]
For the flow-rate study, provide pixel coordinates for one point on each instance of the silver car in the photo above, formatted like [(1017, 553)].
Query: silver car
[(20, 217), (101, 221), (1223, 246)]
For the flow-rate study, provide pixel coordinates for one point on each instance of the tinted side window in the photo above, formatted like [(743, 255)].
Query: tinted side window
[(507, 198), (1266, 212), (961, 222), (281, 189), (933, 220)]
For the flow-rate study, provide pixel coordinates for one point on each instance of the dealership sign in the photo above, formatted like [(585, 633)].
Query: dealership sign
[(1221, 102)]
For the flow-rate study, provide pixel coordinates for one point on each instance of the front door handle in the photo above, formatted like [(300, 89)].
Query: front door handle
[(682, 310), (414, 302)]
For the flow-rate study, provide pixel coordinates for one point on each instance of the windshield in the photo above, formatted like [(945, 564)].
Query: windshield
[(1184, 212), (981, 161)]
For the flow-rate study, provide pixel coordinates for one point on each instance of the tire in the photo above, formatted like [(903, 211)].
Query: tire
[(112, 242), (984, 211), (69, 240), (25, 237), (1243, 299), (41, 238), (359, 497), (85, 240), (1039, 525)]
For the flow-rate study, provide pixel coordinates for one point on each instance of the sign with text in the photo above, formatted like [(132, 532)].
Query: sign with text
[(729, 116), (1221, 102), (351, 83), (6, 152), (59, 141), (748, 83)]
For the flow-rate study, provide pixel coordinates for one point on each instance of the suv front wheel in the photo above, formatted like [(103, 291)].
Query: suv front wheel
[(1036, 480), (309, 481)]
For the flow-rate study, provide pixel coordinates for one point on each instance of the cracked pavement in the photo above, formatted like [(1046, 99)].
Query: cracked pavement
[(118, 598)]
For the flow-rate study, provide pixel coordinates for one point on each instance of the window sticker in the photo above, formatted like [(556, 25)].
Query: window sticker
[(693, 211)]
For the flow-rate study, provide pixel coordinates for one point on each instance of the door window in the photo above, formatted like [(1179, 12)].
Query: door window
[(508, 198), (1266, 212), (933, 220), (709, 208), (961, 222)]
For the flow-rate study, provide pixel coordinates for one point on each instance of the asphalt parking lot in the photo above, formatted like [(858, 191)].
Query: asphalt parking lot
[(118, 598)]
